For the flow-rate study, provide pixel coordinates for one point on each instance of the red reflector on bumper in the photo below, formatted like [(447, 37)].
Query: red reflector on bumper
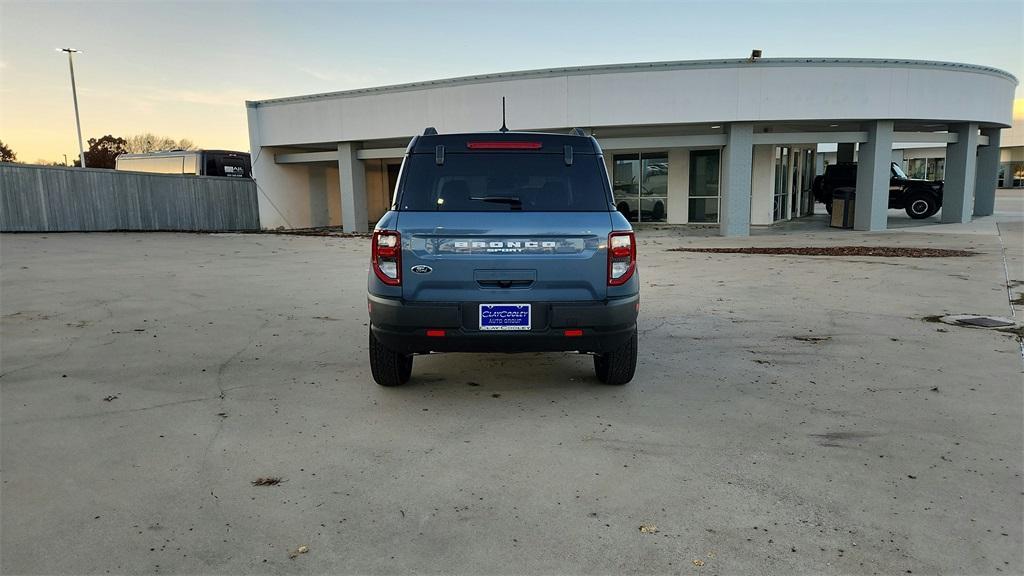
[(571, 333), (435, 333)]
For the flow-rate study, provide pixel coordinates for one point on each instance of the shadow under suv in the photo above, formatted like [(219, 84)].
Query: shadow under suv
[(503, 242)]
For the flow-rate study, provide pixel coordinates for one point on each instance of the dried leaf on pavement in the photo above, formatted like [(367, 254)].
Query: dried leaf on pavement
[(698, 563), (268, 481), (648, 528)]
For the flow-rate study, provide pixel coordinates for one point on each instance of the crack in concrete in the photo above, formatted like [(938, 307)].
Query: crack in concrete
[(1009, 285), (110, 412)]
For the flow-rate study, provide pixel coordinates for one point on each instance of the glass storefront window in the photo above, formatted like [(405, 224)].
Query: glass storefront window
[(626, 184), (654, 187), (1011, 175), (640, 185), (705, 170), (916, 168)]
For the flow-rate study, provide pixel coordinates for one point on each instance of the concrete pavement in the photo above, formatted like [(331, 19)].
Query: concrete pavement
[(790, 415)]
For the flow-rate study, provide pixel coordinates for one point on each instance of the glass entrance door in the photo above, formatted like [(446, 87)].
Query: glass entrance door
[(782, 176), (705, 172), (794, 184), (640, 183), (807, 182)]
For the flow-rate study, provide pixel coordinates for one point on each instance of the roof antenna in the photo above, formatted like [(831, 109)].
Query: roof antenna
[(503, 128)]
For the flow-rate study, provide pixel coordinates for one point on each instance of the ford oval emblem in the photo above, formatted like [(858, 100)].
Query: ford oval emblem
[(421, 269)]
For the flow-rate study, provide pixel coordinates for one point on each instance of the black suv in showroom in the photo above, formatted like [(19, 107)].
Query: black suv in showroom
[(920, 198)]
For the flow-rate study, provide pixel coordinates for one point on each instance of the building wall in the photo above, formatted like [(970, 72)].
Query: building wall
[(285, 194), (333, 195), (1014, 136), (648, 94), (378, 194), (651, 98)]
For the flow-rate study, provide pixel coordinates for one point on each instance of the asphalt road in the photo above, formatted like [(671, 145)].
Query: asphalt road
[(790, 415)]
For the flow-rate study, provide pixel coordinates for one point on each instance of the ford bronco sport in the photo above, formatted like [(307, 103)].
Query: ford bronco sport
[(503, 242)]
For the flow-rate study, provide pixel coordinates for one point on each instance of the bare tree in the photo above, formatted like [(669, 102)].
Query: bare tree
[(149, 142)]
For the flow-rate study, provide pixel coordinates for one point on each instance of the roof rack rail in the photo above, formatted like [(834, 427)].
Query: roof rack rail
[(430, 131), (578, 132)]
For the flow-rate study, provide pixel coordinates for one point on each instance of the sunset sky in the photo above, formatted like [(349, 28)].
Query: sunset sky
[(185, 69)]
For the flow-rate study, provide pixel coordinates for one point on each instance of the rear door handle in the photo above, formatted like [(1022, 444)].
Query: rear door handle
[(503, 283), (505, 278)]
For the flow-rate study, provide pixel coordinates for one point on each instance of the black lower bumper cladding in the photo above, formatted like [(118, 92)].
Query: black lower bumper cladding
[(421, 327)]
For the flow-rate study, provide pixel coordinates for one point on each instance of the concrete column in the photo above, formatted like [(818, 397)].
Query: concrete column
[(961, 166), (678, 185), (987, 174), (844, 153), (737, 159), (873, 170), (762, 185), (352, 177)]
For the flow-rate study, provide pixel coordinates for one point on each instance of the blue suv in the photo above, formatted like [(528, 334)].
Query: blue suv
[(503, 242)]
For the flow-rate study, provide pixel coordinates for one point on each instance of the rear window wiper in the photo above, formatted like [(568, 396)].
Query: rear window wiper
[(514, 201)]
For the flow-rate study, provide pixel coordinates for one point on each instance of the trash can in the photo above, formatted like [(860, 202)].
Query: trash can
[(843, 200)]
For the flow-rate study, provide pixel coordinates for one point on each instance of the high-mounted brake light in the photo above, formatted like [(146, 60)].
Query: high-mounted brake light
[(621, 257), (386, 256), (510, 145)]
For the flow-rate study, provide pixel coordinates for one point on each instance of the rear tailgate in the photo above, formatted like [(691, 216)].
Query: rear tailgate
[(504, 256)]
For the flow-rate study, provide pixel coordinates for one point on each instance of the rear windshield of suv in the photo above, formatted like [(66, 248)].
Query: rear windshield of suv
[(503, 182)]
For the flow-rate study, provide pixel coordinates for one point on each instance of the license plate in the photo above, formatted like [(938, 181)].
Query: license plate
[(504, 316)]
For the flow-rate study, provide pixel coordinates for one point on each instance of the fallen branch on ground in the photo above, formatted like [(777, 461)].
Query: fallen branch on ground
[(879, 251)]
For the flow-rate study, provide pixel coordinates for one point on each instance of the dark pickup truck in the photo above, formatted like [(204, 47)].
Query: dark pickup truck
[(920, 198)]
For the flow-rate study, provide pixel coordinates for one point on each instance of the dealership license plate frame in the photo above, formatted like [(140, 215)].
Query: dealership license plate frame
[(517, 326)]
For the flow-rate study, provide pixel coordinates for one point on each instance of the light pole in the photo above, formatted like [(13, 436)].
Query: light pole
[(74, 96)]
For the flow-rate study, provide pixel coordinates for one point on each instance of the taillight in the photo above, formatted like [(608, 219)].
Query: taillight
[(386, 256), (504, 145), (621, 257)]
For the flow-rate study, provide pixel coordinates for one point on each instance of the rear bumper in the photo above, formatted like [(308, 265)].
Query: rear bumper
[(402, 326)]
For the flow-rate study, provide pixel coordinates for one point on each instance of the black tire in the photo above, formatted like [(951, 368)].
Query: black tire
[(601, 367), (389, 368), (618, 366), (658, 214), (920, 206), (817, 184)]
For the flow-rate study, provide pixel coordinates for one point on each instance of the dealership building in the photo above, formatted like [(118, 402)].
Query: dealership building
[(728, 142)]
